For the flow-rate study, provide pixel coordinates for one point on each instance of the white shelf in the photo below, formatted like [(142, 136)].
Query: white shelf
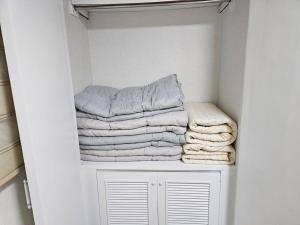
[(154, 166)]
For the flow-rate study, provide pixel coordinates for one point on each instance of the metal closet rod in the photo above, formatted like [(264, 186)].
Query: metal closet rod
[(222, 5)]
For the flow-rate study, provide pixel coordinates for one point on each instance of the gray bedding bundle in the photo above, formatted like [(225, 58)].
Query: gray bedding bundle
[(132, 124)]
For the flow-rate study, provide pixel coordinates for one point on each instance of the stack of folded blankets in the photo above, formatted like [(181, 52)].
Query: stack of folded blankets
[(210, 135), (132, 124)]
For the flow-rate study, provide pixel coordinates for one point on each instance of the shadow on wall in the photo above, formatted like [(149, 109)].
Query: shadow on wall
[(153, 18)]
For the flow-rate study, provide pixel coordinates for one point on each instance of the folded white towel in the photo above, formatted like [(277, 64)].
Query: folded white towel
[(209, 125), (204, 157), (217, 140), (194, 149)]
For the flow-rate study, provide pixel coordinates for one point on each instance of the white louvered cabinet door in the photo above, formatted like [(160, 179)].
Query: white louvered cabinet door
[(188, 198), (127, 198)]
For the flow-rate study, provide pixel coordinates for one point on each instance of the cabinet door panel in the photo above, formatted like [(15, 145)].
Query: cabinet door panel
[(34, 35), (127, 198), (188, 198)]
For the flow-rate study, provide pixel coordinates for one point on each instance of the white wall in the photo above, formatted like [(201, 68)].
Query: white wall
[(135, 48), (233, 51), (13, 208), (234, 22), (268, 180)]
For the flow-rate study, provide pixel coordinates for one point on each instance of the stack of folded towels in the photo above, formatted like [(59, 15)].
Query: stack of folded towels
[(132, 124), (210, 135)]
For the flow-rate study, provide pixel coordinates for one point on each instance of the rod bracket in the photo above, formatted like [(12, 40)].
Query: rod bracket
[(72, 9), (76, 12), (223, 5)]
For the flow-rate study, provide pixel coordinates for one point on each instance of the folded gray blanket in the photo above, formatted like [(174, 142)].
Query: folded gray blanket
[(179, 118), (129, 158), (107, 102), (148, 151), (137, 131), (164, 136), (129, 146), (128, 116)]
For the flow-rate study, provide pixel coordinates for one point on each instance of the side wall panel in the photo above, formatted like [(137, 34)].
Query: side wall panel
[(268, 181)]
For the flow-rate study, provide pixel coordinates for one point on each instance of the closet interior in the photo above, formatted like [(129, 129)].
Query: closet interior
[(120, 44)]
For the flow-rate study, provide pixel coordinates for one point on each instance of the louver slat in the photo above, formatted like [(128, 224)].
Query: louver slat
[(187, 203), (127, 203)]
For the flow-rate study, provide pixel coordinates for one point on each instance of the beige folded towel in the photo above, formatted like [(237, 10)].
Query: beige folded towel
[(209, 125), (216, 140), (194, 149), (204, 157)]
